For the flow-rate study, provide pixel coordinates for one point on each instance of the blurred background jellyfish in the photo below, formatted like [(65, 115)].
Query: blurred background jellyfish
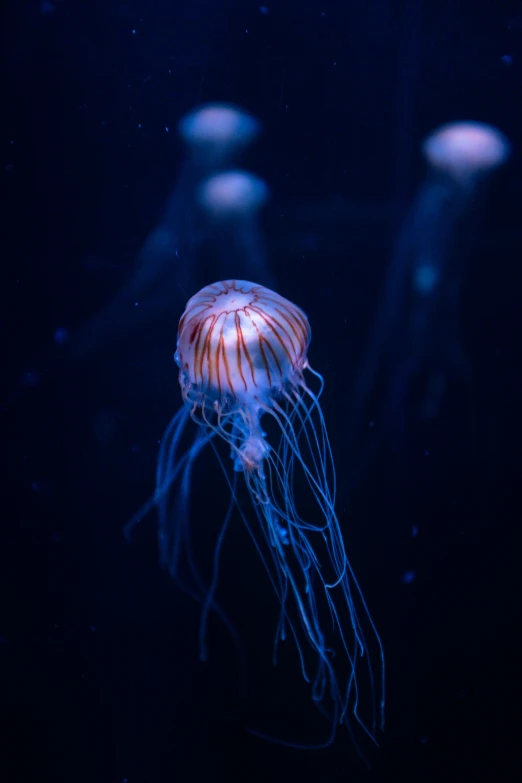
[(231, 201), (242, 355), (214, 138), (415, 340), (465, 151)]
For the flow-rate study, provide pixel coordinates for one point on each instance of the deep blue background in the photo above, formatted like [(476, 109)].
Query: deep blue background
[(99, 668)]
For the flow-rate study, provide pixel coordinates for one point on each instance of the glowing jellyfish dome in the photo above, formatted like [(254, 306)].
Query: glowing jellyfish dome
[(216, 131), (238, 344), (466, 149), (232, 193)]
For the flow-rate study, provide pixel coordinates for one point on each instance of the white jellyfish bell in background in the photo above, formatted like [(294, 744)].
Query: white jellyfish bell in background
[(232, 195), (231, 202), (416, 332), (466, 151), (214, 136)]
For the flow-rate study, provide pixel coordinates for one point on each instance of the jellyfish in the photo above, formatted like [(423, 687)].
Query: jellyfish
[(242, 353), (415, 342), (214, 137), (231, 201)]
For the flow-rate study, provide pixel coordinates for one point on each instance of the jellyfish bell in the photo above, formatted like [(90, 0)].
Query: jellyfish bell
[(217, 123), (216, 133), (239, 340), (231, 194), (466, 150), (240, 344)]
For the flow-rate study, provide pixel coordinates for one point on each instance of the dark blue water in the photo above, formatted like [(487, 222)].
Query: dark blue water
[(100, 675)]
